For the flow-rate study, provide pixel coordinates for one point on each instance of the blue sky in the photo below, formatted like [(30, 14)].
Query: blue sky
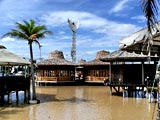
[(102, 24)]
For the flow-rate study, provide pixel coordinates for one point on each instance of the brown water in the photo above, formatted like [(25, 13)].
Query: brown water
[(79, 103)]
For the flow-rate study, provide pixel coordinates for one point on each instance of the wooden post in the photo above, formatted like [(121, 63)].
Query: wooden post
[(110, 77), (143, 78), (158, 87), (110, 72), (142, 72), (158, 111), (110, 90)]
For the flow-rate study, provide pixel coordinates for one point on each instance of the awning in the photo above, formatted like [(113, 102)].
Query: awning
[(9, 58)]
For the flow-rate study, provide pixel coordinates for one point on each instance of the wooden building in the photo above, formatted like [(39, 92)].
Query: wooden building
[(95, 70), (55, 69), (129, 70)]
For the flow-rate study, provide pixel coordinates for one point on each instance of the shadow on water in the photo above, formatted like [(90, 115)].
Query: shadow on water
[(72, 100), (5, 112), (8, 109), (44, 98), (14, 108)]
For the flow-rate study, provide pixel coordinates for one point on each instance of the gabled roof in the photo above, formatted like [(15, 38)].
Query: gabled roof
[(127, 56)]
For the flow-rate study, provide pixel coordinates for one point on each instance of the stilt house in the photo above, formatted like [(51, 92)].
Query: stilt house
[(55, 69)]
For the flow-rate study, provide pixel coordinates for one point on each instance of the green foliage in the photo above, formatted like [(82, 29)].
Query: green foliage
[(28, 29), (150, 9)]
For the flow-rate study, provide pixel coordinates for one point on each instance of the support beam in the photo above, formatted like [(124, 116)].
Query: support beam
[(142, 72)]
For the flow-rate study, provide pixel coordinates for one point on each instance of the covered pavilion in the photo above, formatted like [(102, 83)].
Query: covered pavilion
[(10, 81)]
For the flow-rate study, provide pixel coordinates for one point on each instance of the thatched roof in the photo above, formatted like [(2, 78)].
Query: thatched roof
[(55, 58), (55, 61), (81, 61), (9, 58), (101, 54), (127, 56), (135, 41), (56, 54), (97, 61), (2, 47)]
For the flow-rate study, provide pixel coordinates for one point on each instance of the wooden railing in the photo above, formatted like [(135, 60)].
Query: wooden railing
[(39, 78), (94, 79)]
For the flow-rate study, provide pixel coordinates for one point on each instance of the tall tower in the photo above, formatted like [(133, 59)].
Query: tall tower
[(73, 26)]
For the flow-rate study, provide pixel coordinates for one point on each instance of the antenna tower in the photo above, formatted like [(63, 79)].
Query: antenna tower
[(73, 26)]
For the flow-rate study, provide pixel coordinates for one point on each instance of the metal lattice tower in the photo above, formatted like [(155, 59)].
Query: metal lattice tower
[(73, 50), (73, 28)]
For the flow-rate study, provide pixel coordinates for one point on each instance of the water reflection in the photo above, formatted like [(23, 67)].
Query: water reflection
[(80, 103)]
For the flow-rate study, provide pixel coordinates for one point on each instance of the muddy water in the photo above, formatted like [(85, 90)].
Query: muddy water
[(79, 103)]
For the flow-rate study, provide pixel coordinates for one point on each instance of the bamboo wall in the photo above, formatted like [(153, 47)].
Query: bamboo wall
[(54, 75), (96, 75)]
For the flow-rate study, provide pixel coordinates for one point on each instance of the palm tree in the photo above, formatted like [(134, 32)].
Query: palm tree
[(150, 9), (32, 33)]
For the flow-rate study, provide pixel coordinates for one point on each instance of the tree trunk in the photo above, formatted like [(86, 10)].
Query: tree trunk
[(158, 111), (32, 73)]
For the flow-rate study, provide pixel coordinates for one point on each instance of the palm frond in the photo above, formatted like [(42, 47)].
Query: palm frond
[(16, 34), (36, 41), (28, 31), (150, 9), (22, 28)]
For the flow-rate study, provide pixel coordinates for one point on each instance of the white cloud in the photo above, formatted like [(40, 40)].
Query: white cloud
[(95, 32), (61, 32), (7, 39), (119, 6), (86, 19), (108, 32), (89, 21), (139, 18)]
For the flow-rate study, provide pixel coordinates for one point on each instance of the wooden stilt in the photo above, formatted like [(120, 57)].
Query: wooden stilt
[(110, 90)]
